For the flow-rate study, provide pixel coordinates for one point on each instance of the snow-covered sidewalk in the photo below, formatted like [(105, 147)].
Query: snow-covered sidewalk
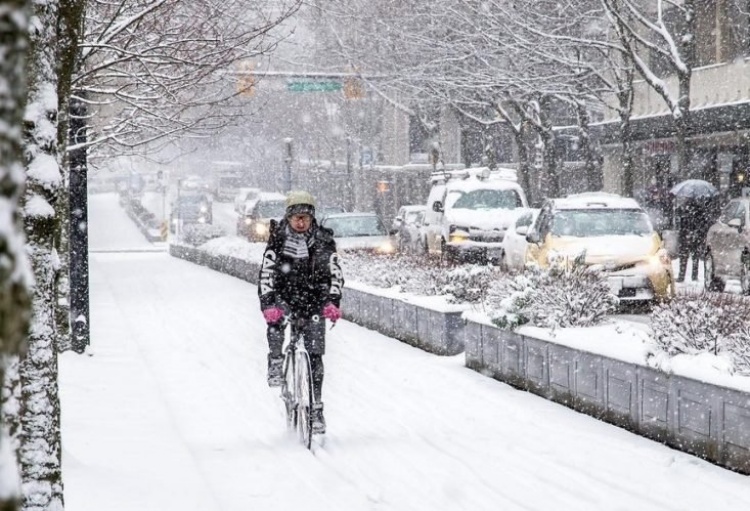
[(170, 411)]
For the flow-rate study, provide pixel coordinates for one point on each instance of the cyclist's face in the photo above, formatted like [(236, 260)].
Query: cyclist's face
[(300, 222)]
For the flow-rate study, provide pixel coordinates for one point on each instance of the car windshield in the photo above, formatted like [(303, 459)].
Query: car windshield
[(355, 226), (271, 209), (192, 199), (601, 222), (488, 199), (412, 217)]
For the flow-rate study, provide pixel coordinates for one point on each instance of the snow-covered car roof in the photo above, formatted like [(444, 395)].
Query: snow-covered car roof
[(408, 209), (471, 184), (474, 172), (595, 200), (268, 196)]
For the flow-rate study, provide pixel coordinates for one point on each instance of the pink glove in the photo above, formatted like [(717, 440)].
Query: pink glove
[(273, 315), (331, 312)]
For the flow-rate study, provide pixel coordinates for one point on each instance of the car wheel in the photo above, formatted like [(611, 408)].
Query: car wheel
[(710, 281), (745, 274)]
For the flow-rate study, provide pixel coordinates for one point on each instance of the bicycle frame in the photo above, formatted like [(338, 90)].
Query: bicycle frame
[(296, 387)]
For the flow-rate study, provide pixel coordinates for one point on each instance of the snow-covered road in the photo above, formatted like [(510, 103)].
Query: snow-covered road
[(171, 412)]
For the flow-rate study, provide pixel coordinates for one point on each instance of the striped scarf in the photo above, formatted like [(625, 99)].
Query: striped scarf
[(297, 245)]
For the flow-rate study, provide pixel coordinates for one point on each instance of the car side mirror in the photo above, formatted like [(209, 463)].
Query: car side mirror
[(533, 237), (522, 230), (437, 206), (393, 232)]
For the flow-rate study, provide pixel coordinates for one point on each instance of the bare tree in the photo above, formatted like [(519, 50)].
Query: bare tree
[(656, 35), (155, 70)]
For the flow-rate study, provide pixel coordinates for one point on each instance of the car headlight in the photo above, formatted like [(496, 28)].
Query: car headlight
[(386, 248), (248, 221), (204, 209), (201, 219), (457, 234), (261, 229)]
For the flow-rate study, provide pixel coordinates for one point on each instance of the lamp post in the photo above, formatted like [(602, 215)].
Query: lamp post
[(288, 165)]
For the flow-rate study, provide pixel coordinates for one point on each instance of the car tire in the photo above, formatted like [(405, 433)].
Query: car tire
[(710, 281)]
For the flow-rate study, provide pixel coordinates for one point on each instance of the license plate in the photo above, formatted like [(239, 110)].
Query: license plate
[(495, 253)]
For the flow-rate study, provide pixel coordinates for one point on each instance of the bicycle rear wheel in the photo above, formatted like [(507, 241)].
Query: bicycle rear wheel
[(288, 390), (304, 399)]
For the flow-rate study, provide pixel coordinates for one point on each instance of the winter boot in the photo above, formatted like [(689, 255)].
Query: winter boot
[(318, 421), (274, 371)]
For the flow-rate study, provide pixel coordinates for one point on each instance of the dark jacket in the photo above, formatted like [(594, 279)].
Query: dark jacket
[(304, 286), (694, 219)]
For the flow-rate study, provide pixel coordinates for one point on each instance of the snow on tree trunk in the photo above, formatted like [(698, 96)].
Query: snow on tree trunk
[(39, 435), (16, 278)]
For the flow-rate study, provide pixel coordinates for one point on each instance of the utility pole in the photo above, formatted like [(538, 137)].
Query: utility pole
[(288, 165), (79, 228)]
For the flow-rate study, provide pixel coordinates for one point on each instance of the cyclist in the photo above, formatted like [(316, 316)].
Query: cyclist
[(300, 274)]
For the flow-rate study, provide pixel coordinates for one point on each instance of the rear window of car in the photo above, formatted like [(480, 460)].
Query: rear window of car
[(271, 209)]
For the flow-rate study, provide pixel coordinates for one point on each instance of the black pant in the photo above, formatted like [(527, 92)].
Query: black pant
[(314, 333)]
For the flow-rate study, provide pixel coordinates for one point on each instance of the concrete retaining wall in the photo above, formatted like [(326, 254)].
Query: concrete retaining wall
[(699, 418)]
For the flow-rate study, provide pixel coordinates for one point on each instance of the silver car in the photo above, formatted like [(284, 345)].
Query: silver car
[(728, 247)]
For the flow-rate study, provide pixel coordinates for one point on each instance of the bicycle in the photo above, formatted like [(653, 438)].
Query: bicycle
[(297, 384)]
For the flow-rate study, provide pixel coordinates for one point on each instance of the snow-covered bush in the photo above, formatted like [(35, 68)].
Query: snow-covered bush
[(419, 275), (466, 284), (198, 234), (559, 296), (696, 323)]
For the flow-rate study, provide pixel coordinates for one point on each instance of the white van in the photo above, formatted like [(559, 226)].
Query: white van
[(469, 211)]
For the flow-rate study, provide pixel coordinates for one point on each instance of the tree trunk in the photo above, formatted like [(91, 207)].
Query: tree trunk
[(591, 168), (15, 273), (40, 453)]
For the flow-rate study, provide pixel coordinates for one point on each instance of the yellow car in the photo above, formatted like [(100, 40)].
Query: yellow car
[(609, 232)]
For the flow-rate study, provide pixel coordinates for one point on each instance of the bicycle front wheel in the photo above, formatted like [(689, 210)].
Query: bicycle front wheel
[(305, 400), (288, 389)]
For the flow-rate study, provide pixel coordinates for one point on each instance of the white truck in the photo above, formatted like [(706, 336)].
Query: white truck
[(469, 211)]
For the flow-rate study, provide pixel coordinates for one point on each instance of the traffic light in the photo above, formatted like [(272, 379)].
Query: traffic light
[(354, 88), (246, 79)]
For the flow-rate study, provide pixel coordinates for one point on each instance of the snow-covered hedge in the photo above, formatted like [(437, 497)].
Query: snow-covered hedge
[(198, 234), (698, 323), (559, 296), (420, 275)]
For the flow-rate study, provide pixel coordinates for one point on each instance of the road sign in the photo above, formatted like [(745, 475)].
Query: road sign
[(313, 86)]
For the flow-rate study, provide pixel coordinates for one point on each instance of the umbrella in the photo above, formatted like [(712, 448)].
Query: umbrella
[(694, 189)]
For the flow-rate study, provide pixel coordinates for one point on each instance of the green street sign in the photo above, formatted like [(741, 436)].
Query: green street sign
[(313, 86)]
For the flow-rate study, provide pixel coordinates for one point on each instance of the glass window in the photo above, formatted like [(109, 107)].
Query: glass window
[(355, 226), (601, 222), (729, 211), (488, 199), (271, 209), (524, 220)]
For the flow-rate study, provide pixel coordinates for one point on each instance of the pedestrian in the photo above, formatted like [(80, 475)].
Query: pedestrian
[(694, 218), (300, 275)]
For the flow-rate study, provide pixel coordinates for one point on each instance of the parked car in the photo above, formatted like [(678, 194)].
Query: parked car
[(406, 227), (359, 231), (728, 247), (245, 196), (190, 207), (610, 232), (323, 211), (515, 244), (254, 223), (468, 213)]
